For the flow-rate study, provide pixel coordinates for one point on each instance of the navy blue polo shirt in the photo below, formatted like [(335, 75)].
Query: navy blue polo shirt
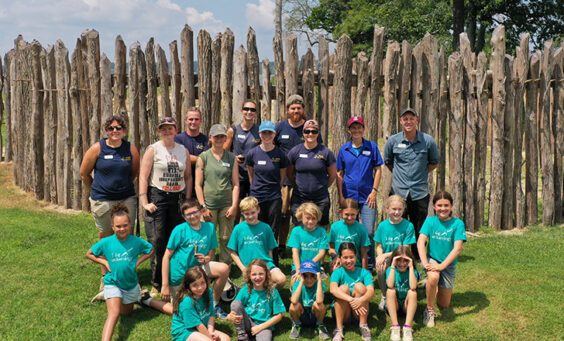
[(310, 167), (358, 168), (266, 172), (243, 141), (410, 161), (287, 137), (195, 145)]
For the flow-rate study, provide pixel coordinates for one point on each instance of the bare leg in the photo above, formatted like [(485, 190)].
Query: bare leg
[(342, 308), (392, 304), (296, 310), (114, 307), (410, 307), (319, 310), (359, 290), (443, 297), (431, 287), (278, 278), (219, 271)]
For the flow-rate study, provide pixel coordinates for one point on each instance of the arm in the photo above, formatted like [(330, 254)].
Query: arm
[(251, 172), (98, 259), (134, 161), (291, 174), (320, 256), (88, 163), (267, 324), (454, 253), (235, 194), (237, 260), (391, 280), (165, 270), (144, 173), (296, 260), (412, 277), (319, 291), (188, 177), (202, 329), (332, 170), (199, 187), (282, 176), (432, 167), (229, 140), (373, 196), (340, 179), (295, 298), (422, 250), (381, 258), (364, 255), (334, 289)]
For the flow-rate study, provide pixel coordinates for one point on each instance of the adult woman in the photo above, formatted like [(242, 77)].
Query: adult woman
[(358, 177), (312, 169), (115, 163), (217, 187), (164, 181)]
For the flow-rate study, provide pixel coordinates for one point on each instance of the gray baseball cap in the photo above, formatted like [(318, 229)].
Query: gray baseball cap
[(218, 129), (409, 111)]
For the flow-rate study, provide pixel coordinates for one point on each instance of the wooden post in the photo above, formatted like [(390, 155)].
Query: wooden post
[(164, 81), (7, 106), (143, 120), (456, 135), (429, 87), (323, 100), (63, 137), (36, 121), (308, 84), (376, 84), (291, 68), (362, 84), (93, 67), (481, 134), (176, 100), (120, 81), (239, 83), (416, 100), (187, 72), (266, 87), (205, 77), (444, 109), (216, 78), (498, 112), (77, 148), (15, 98), (405, 76), (558, 133), (48, 121), (134, 95), (253, 65), (531, 135), (279, 112), (547, 161), (1, 113), (84, 115), (226, 80), (105, 89), (152, 103)]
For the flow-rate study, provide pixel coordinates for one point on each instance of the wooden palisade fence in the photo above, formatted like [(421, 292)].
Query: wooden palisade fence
[(54, 105)]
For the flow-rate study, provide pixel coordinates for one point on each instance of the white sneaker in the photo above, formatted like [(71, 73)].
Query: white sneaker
[(98, 298), (395, 333), (429, 318), (382, 304), (407, 333)]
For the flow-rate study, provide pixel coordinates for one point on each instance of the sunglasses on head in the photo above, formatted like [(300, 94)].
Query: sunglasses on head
[(167, 120), (249, 109), (311, 131), (112, 128)]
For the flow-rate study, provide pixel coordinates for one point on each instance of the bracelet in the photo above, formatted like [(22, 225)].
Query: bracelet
[(142, 194), (375, 189)]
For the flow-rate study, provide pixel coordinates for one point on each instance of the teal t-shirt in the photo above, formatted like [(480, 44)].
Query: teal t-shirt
[(259, 306), (191, 313), (401, 283), (351, 278), (355, 233), (308, 242), (122, 257), (308, 294), (183, 241), (393, 235), (252, 242), (442, 235)]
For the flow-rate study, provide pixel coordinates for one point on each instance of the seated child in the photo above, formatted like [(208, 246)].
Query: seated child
[(258, 306), (353, 289), (253, 239), (308, 241), (401, 279), (307, 308), (193, 317), (118, 253)]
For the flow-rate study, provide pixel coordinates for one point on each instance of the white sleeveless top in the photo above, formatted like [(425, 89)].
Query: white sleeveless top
[(168, 167)]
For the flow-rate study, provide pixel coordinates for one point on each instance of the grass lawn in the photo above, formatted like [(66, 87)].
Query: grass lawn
[(509, 287)]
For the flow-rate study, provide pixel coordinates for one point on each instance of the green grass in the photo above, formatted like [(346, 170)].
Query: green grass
[(509, 287)]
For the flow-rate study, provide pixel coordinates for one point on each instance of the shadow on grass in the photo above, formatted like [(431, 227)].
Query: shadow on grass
[(471, 302), (465, 258), (127, 323)]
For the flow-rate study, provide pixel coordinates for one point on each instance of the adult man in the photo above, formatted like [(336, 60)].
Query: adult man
[(411, 155), (193, 139)]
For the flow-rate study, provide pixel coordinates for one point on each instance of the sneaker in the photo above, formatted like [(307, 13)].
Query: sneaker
[(338, 335), (219, 313), (382, 304), (242, 336), (429, 318), (407, 333), (144, 296), (98, 298), (395, 333), (322, 332), (295, 332), (365, 332), (154, 292)]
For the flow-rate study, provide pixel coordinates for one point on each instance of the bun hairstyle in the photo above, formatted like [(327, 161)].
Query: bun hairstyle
[(442, 194), (119, 210)]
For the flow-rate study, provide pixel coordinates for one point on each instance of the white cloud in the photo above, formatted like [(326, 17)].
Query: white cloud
[(261, 15), (196, 18), (169, 5)]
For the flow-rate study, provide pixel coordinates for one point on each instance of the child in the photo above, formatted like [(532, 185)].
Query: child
[(307, 306), (349, 230), (191, 243), (118, 253), (391, 233), (308, 241), (443, 235), (193, 317), (353, 289), (258, 306), (253, 239), (401, 278)]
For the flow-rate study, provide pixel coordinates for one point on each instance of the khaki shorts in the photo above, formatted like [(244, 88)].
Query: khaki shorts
[(101, 212)]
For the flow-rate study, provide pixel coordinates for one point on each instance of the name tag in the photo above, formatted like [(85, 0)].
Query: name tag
[(402, 145), (366, 152), (241, 136), (262, 162), (108, 157), (285, 137), (303, 156), (225, 164)]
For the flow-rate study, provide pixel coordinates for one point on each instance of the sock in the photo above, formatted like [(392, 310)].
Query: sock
[(430, 308), (363, 325), (407, 326), (147, 301), (297, 323)]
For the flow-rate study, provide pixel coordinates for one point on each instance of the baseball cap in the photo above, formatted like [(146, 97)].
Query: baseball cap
[(355, 119), (294, 99), (311, 124), (218, 129), (409, 111), (266, 126), (309, 266)]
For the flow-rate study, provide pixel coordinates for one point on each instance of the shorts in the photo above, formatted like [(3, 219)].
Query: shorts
[(324, 205), (274, 268), (308, 317), (127, 296), (446, 281), (101, 212), (352, 320)]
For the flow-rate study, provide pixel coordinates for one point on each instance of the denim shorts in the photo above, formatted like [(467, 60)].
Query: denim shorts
[(308, 317), (127, 296), (446, 281)]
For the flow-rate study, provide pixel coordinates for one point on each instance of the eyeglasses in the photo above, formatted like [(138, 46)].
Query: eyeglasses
[(112, 128), (167, 120), (191, 214), (312, 131), (249, 109)]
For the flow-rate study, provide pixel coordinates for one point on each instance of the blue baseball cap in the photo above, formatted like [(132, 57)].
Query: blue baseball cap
[(267, 126), (309, 266)]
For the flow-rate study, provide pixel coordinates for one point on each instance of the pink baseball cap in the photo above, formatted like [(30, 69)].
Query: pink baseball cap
[(355, 119)]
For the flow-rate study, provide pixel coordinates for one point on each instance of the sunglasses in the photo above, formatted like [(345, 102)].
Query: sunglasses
[(112, 128), (191, 214), (249, 109), (312, 131), (167, 120)]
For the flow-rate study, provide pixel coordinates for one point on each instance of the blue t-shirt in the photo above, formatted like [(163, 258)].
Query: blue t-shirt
[(259, 306), (442, 235), (401, 283), (311, 171), (122, 258), (393, 235), (113, 178), (195, 145), (252, 242), (243, 141), (358, 165), (410, 161), (307, 298), (351, 278), (308, 242), (355, 233), (287, 137), (266, 172), (191, 313), (183, 241)]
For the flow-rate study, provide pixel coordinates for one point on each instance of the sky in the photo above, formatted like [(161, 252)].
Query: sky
[(136, 20)]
